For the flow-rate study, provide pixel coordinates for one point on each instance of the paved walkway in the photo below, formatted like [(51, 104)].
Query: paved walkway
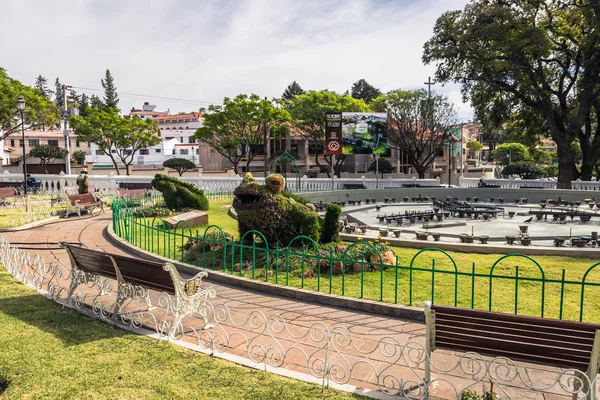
[(367, 329)]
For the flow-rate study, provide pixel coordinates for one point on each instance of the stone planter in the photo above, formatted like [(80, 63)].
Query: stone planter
[(350, 229), (511, 214), (439, 217), (412, 220), (523, 228), (383, 232), (500, 200), (446, 214), (510, 239), (558, 241), (363, 229), (483, 239), (381, 218), (406, 199), (422, 235), (539, 216), (426, 218), (578, 242), (397, 232), (475, 199), (486, 216), (386, 200), (367, 201), (436, 236), (525, 241), (469, 199)]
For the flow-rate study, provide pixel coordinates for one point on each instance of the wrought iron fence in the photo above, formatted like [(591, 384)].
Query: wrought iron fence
[(321, 352), (514, 283)]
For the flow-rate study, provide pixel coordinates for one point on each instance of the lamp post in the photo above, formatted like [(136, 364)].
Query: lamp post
[(21, 107)]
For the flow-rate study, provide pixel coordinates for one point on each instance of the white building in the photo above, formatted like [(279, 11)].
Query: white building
[(176, 131)]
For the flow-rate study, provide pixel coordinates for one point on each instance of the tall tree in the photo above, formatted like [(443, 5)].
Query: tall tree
[(111, 98), (308, 119), (361, 89), (58, 94), (41, 84), (96, 102), (47, 153), (419, 125), (238, 128), (540, 55), (39, 111), (84, 105), (73, 99), (111, 132), (291, 91)]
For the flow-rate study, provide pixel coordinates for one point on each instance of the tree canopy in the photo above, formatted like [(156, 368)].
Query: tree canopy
[(538, 56), (507, 153), (110, 131), (418, 125), (363, 90), (47, 153), (41, 84), (292, 90), (308, 118), (384, 167), (238, 127), (39, 111), (180, 165)]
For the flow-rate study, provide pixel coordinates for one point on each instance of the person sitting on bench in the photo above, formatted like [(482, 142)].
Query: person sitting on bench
[(481, 183)]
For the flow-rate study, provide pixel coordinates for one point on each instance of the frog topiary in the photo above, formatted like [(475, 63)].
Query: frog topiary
[(179, 194)]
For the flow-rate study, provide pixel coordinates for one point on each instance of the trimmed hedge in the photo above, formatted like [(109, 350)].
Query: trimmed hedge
[(179, 194), (331, 226)]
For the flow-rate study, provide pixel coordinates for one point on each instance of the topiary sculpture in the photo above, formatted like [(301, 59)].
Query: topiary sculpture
[(179, 194), (266, 209)]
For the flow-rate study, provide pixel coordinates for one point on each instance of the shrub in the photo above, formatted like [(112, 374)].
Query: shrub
[(551, 170), (179, 194), (180, 165), (525, 169), (331, 225), (296, 198)]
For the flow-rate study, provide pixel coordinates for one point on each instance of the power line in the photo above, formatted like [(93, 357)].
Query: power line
[(147, 96)]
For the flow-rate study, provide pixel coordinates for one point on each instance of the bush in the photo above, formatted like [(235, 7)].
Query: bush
[(331, 225), (149, 212), (296, 198), (385, 166), (525, 169), (551, 170), (179, 194)]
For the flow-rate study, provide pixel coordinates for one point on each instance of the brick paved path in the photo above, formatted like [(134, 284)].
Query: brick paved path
[(366, 329)]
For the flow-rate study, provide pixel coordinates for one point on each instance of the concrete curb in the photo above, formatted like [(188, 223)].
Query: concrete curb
[(370, 306), (34, 224)]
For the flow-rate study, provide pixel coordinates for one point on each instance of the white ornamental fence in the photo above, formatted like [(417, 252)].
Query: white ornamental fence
[(380, 365), (110, 183)]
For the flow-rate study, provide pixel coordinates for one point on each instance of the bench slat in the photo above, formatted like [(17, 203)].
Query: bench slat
[(584, 344), (149, 274), (517, 328)]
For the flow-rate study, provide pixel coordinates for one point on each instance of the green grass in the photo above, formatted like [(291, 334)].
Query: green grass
[(383, 286), (47, 352)]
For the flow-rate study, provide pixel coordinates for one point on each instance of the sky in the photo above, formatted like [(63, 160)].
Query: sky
[(206, 50)]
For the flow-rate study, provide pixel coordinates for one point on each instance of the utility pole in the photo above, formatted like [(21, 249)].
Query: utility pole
[(449, 156), (66, 131), (461, 149)]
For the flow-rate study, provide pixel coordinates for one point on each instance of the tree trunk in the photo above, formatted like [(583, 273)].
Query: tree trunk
[(235, 167), (566, 164), (127, 169)]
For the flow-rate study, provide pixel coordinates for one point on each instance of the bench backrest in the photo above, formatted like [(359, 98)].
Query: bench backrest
[(83, 198), (564, 344), (8, 192), (10, 184), (92, 261), (148, 274)]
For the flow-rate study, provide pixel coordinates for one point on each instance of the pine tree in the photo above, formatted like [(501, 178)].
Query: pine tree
[(84, 105), (41, 84), (111, 98), (292, 90), (58, 94), (95, 102), (73, 99)]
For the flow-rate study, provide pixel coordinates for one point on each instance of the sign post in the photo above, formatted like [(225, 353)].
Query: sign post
[(333, 139)]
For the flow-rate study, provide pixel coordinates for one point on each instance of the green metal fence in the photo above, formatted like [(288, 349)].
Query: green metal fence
[(514, 283)]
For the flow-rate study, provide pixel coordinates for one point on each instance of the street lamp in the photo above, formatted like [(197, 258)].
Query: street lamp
[(21, 107)]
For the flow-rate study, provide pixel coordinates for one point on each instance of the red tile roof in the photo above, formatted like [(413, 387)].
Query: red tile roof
[(179, 116)]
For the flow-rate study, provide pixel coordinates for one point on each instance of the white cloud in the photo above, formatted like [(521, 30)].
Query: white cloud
[(211, 49)]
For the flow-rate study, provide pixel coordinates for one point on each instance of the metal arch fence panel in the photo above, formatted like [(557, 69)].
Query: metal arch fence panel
[(328, 353), (347, 271)]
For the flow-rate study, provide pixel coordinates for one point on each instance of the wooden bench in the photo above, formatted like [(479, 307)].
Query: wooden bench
[(544, 341), (86, 202), (354, 186), (135, 185), (135, 278), (8, 192)]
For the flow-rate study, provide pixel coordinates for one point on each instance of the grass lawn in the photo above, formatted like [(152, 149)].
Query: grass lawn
[(54, 353), (441, 288)]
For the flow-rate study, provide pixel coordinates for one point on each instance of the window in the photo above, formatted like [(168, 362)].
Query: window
[(157, 150), (34, 142), (144, 152), (184, 152), (12, 142), (113, 151), (197, 151), (20, 143), (99, 152), (192, 140), (52, 142), (77, 143)]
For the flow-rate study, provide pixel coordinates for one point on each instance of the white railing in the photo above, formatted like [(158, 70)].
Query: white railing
[(379, 363), (110, 183)]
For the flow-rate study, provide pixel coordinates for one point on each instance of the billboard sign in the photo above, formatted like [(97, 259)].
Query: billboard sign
[(333, 133), (364, 133)]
